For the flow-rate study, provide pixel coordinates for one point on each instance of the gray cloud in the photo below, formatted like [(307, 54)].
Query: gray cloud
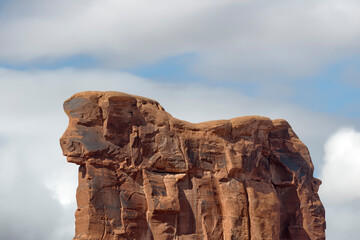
[(234, 40), (39, 185), (28, 210)]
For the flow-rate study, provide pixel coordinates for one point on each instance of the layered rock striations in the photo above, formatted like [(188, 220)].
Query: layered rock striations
[(146, 175)]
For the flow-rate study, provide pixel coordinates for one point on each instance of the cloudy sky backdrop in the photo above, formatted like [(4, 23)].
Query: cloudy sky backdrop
[(202, 60)]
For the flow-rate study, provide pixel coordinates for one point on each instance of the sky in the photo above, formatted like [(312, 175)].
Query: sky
[(202, 60)]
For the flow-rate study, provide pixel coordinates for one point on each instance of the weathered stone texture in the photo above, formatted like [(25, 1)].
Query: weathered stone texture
[(146, 175)]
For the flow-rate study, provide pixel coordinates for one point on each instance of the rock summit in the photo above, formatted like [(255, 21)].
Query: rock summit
[(144, 174)]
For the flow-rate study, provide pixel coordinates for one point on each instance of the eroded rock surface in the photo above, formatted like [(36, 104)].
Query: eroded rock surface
[(146, 175)]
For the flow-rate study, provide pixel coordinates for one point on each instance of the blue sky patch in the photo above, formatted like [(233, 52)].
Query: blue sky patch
[(171, 69), (76, 61), (330, 91)]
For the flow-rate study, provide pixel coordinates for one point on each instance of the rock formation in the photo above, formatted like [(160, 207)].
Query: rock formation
[(146, 175)]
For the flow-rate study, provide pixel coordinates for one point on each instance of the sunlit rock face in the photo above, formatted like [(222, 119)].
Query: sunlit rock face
[(146, 175)]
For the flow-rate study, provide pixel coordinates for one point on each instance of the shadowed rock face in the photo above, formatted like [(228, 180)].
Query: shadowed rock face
[(146, 175)]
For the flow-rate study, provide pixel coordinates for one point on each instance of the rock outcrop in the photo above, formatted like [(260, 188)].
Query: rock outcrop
[(146, 175)]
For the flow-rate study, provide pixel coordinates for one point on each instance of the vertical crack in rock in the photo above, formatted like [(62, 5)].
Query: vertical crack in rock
[(248, 213), (146, 175)]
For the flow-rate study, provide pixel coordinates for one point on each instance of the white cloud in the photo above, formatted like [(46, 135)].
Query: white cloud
[(32, 122), (236, 40), (340, 191), (341, 171)]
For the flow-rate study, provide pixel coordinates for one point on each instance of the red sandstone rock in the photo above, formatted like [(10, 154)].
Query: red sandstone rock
[(146, 175)]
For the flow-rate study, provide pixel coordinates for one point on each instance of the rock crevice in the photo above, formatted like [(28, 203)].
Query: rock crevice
[(146, 175)]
